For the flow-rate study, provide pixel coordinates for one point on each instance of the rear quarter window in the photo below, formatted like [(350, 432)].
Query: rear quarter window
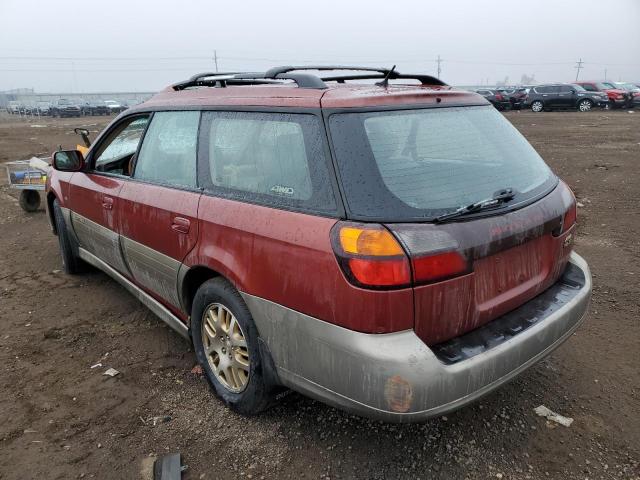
[(275, 159)]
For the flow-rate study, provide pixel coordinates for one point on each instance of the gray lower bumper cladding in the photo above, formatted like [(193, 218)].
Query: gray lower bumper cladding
[(396, 377)]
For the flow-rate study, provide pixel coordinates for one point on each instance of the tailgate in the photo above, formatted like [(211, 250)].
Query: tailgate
[(514, 257)]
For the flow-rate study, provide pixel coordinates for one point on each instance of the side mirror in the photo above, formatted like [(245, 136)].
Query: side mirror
[(68, 161)]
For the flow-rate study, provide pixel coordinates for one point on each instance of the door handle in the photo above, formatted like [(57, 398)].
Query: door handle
[(107, 203), (180, 225)]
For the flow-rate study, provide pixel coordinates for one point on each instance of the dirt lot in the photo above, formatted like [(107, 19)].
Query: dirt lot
[(60, 419)]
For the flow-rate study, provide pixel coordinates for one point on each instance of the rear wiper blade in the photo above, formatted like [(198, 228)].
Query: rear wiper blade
[(501, 196)]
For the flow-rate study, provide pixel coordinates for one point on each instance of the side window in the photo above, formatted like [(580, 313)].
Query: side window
[(541, 90), (589, 87), (270, 158), (553, 89), (115, 153), (565, 89), (168, 152)]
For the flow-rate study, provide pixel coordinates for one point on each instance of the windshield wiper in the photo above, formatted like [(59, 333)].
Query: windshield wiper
[(500, 197)]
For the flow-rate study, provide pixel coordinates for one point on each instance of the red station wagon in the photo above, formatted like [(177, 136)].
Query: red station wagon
[(394, 249)]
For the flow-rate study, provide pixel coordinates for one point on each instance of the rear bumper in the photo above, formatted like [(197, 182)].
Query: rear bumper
[(396, 377)]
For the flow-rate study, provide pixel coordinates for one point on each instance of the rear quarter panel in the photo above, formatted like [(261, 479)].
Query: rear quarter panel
[(286, 257)]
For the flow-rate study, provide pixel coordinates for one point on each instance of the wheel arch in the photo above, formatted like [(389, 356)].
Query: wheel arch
[(189, 281)]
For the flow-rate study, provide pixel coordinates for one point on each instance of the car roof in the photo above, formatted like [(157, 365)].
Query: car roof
[(283, 87), (334, 96)]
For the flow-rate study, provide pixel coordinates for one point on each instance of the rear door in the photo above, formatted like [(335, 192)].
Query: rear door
[(93, 195), (566, 96), (158, 224), (551, 96)]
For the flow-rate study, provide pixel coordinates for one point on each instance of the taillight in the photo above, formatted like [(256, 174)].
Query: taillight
[(499, 97), (440, 266), (370, 256)]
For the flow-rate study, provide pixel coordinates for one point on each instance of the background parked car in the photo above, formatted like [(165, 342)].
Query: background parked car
[(634, 92), (497, 99), (618, 98), (14, 107), (516, 96), (98, 107), (114, 107), (29, 109), (564, 96), (43, 108), (66, 108)]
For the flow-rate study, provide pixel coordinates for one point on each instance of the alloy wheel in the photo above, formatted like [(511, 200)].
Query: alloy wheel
[(225, 347), (536, 106), (585, 106)]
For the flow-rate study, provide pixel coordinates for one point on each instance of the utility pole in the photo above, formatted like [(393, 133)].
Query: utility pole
[(215, 59), (578, 67), (439, 61), (605, 73), (74, 83)]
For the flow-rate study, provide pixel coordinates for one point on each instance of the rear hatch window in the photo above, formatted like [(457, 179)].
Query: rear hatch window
[(414, 165)]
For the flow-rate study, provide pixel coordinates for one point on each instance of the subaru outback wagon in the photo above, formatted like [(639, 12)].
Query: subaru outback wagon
[(396, 249)]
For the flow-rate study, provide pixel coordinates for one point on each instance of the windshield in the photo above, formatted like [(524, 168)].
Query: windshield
[(418, 164)]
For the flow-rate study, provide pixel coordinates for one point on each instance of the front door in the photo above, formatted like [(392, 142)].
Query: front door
[(93, 195), (159, 206)]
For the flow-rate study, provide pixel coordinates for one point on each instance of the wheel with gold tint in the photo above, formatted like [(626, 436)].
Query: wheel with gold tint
[(225, 341)]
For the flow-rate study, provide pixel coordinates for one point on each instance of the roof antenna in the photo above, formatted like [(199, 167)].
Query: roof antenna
[(385, 81)]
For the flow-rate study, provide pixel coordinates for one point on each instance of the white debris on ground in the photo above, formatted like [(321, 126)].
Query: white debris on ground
[(553, 416), (112, 372)]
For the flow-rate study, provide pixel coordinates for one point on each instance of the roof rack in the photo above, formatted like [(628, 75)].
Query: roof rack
[(303, 80)]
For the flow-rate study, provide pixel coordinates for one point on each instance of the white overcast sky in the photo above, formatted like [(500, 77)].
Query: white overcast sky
[(143, 45)]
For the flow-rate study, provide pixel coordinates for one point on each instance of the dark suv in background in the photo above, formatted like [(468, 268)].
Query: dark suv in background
[(564, 96), (66, 108)]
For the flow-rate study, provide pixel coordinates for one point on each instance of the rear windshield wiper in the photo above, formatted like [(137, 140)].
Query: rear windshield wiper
[(500, 197)]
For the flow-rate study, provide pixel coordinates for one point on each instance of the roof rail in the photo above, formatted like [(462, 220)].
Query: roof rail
[(377, 73), (303, 80), (210, 79)]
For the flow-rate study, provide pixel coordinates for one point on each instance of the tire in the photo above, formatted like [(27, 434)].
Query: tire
[(256, 394), (71, 263), (29, 200), (585, 105), (537, 106)]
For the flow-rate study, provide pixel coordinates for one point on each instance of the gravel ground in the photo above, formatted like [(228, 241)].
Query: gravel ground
[(61, 419)]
